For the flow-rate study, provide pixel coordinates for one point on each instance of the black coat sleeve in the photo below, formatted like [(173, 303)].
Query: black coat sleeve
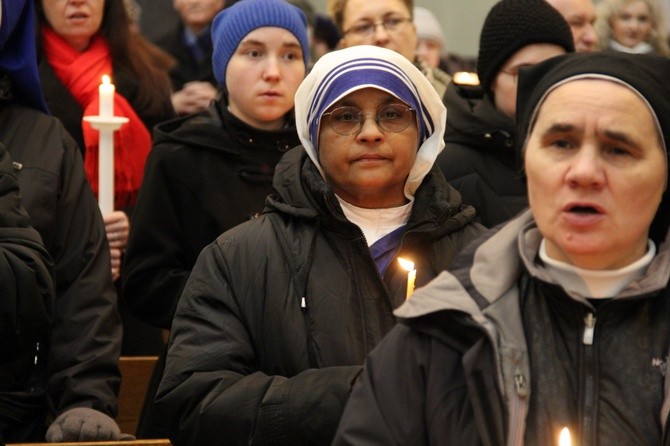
[(412, 392), (386, 406), (86, 338), (83, 345), (26, 286), (155, 266)]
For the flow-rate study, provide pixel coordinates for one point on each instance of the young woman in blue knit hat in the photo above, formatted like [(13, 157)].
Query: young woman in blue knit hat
[(279, 313), (210, 171)]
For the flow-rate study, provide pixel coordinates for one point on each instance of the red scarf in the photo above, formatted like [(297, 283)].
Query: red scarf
[(81, 73)]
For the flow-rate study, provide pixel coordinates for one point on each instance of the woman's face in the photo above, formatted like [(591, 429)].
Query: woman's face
[(633, 24), (596, 172), (504, 84), (369, 168), (76, 21), (263, 75)]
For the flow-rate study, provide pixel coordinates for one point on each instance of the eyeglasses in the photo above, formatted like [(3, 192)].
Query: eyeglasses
[(367, 29), (392, 118), (513, 72)]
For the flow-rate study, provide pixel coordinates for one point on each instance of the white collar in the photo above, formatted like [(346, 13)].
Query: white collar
[(376, 223), (640, 48), (596, 283)]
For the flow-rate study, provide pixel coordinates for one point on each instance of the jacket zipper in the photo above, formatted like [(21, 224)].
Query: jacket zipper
[(364, 325), (518, 409), (589, 327), (665, 437), (589, 378)]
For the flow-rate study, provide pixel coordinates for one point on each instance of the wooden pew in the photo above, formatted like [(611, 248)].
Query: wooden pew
[(135, 376)]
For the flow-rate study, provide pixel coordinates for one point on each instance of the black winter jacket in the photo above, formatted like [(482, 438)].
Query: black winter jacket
[(205, 174), (77, 363), (496, 353), (26, 284), (479, 159), (279, 313)]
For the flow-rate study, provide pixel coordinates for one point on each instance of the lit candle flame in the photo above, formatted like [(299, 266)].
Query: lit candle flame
[(411, 274), (564, 438), (407, 265), (106, 79)]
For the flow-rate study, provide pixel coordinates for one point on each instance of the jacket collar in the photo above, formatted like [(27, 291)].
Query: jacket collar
[(492, 268), (209, 128), (301, 190)]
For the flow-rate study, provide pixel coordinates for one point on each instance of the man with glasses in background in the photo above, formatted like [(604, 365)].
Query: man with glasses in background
[(384, 23)]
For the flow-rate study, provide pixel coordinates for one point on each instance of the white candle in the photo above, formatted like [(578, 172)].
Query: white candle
[(408, 265), (564, 437), (106, 123), (106, 171), (106, 92)]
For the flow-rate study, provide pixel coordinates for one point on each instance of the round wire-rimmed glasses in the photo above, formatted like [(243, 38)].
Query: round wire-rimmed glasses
[(367, 28), (348, 120)]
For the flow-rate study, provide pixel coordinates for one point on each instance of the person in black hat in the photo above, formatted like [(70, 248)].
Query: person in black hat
[(479, 158), (561, 317)]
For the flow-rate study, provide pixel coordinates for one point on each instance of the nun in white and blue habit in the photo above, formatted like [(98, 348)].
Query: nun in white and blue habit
[(279, 313), (346, 71)]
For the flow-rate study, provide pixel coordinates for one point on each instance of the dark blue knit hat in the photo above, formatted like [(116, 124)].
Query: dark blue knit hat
[(234, 22)]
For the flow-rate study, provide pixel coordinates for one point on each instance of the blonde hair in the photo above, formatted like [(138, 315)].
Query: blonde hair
[(335, 10), (607, 10)]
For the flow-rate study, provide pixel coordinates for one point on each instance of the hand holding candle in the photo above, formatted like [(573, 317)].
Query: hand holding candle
[(411, 274)]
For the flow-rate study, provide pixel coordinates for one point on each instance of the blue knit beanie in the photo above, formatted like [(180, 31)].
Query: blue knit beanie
[(233, 23)]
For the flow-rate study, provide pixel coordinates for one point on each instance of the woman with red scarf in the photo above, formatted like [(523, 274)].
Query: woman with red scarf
[(82, 40), (64, 385)]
